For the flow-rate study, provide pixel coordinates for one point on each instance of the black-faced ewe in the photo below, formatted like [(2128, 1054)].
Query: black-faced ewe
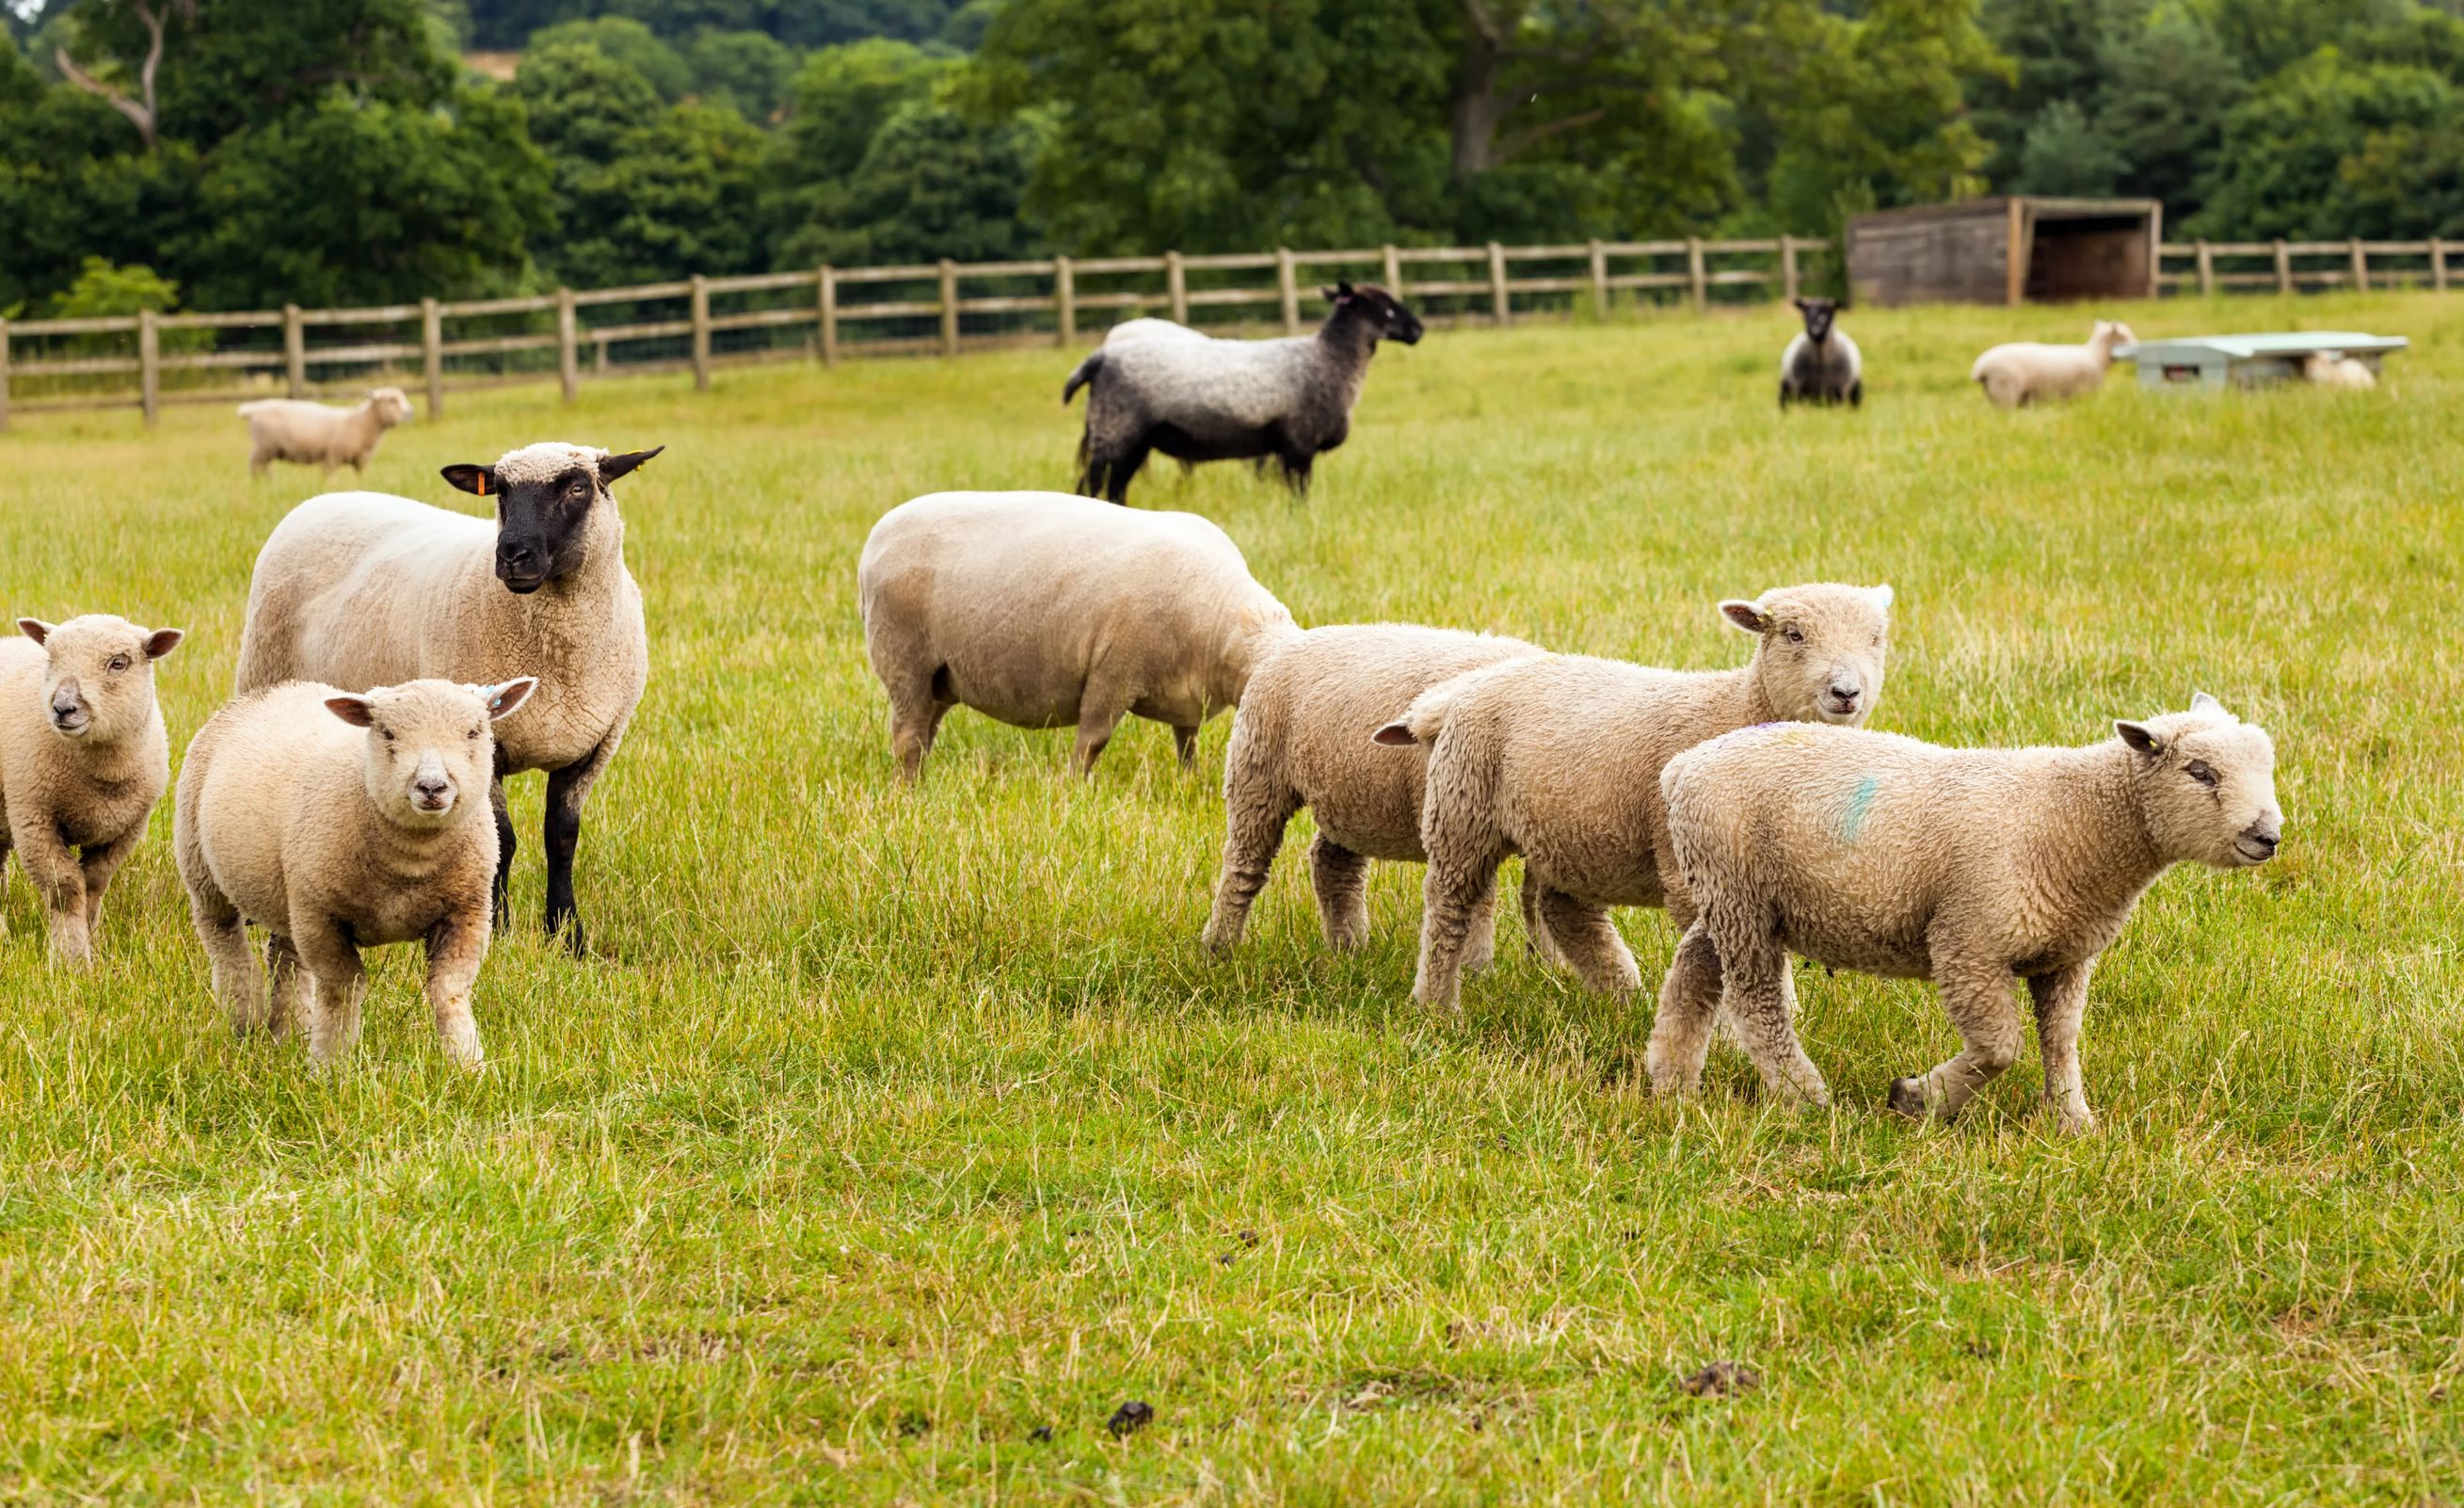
[(1968, 867), (1044, 610), (339, 821), (313, 434), (1158, 385), (1822, 363), (361, 588), (1558, 759), (83, 758), (1302, 739), (2025, 371)]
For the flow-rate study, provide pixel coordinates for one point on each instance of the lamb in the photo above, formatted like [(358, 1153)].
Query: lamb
[(339, 821), (2336, 369), (1161, 387), (1558, 759), (1822, 363), (1872, 851), (1302, 739), (2025, 372), (313, 434), (83, 758), (1044, 610), (362, 589)]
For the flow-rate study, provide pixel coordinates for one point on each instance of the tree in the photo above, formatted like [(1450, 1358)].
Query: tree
[(141, 111), (2330, 147), (627, 42), (2066, 153), (932, 183), (748, 72)]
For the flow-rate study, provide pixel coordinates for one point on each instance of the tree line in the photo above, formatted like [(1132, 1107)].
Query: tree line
[(232, 154)]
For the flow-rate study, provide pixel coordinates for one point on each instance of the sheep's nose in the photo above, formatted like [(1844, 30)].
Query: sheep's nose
[(431, 792)]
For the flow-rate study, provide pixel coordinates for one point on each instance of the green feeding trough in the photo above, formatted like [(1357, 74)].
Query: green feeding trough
[(2249, 361)]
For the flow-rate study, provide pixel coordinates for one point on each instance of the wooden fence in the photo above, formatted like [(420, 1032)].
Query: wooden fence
[(2290, 266), (827, 314)]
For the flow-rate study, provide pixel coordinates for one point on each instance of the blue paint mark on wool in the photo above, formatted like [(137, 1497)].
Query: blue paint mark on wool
[(1852, 820)]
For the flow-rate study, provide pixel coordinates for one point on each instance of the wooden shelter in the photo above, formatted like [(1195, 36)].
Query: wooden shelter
[(2005, 251)]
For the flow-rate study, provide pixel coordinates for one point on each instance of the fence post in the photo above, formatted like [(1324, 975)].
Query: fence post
[(149, 364), (1788, 274), (1600, 279), (1392, 261), (701, 333), (599, 356), (4, 373), (1288, 283), (1176, 281), (1695, 274), (1065, 302), (2283, 268), (294, 349), (2207, 271), (1498, 306), (2360, 267), (828, 280), (432, 356), (949, 307), (2437, 282), (568, 349)]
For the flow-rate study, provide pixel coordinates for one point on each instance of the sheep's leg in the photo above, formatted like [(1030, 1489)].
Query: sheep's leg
[(223, 932), (1589, 943), (560, 834), (260, 465), (1184, 746), (455, 949), (1681, 1033), (2061, 1004), (1535, 931), (1753, 969), (1462, 881), (1982, 1004), (1297, 465), (1857, 393), (1340, 879), (99, 862), (53, 868), (1101, 707), (1255, 811), (1122, 470), (334, 1022), (506, 845), (1480, 940), (914, 712), (294, 992)]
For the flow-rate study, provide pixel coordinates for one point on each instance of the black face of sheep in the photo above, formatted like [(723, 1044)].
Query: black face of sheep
[(1384, 312), (1818, 313), (542, 520)]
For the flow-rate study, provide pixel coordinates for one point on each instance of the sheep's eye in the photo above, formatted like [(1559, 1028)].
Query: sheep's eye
[(1795, 635), (118, 663), (388, 734), (2198, 770)]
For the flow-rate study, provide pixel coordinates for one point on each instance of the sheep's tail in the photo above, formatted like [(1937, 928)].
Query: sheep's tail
[(256, 404), (1426, 717), (1088, 371)]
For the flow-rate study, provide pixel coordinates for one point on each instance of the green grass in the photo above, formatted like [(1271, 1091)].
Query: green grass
[(892, 1126)]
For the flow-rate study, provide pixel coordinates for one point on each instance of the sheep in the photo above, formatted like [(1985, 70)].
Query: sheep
[(1880, 853), (1161, 387), (2024, 372), (364, 589), (339, 821), (83, 758), (1044, 610), (2336, 369), (1558, 759), (313, 434), (1822, 363), (1301, 739)]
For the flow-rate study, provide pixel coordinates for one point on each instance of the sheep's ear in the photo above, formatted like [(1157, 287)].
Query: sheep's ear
[(35, 629), (2139, 736), (612, 467), (477, 480), (1395, 736), (353, 710), (505, 700), (1883, 596), (162, 641), (1745, 616), (2201, 701)]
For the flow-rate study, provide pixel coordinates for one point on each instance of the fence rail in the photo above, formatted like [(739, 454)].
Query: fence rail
[(2290, 266)]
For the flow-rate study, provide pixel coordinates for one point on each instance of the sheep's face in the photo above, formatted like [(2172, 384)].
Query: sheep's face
[(2207, 784), (432, 752), (390, 404), (98, 675), (1385, 313), (2113, 334), (1818, 315), (1820, 659), (553, 508)]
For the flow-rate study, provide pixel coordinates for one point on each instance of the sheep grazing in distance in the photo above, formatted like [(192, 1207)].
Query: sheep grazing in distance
[(2336, 369), (1877, 852), (362, 589), (313, 434), (1301, 738), (1558, 759), (1046, 610), (2025, 372), (1157, 386), (339, 821), (83, 758), (1822, 363)]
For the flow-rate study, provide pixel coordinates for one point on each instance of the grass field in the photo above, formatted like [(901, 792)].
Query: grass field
[(893, 1129)]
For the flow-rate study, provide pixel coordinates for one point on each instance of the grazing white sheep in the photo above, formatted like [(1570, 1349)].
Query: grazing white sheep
[(2336, 369), (2025, 371), (1046, 610), (1159, 387), (1302, 739), (83, 758), (339, 821), (1558, 759), (1968, 867), (362, 589), (1822, 363), (313, 434)]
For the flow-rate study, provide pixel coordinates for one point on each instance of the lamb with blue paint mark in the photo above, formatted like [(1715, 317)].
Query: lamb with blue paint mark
[(1968, 867)]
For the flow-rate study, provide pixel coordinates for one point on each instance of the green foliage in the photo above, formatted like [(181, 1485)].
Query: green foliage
[(103, 289), (2067, 154), (932, 183), (505, 24), (2331, 147), (627, 42), (747, 72)]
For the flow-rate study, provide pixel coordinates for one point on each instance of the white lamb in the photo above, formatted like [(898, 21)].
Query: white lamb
[(2025, 372), (2336, 369), (313, 434)]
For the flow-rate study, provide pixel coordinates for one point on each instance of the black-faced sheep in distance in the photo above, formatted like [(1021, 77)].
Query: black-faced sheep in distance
[(1157, 386), (1822, 363)]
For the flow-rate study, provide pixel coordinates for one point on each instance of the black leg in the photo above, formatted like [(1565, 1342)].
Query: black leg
[(505, 846), (561, 835), (1124, 467)]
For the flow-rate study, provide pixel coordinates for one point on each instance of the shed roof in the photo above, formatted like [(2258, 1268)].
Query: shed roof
[(2042, 207)]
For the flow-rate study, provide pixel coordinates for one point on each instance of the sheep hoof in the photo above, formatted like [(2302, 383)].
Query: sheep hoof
[(1907, 1097)]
